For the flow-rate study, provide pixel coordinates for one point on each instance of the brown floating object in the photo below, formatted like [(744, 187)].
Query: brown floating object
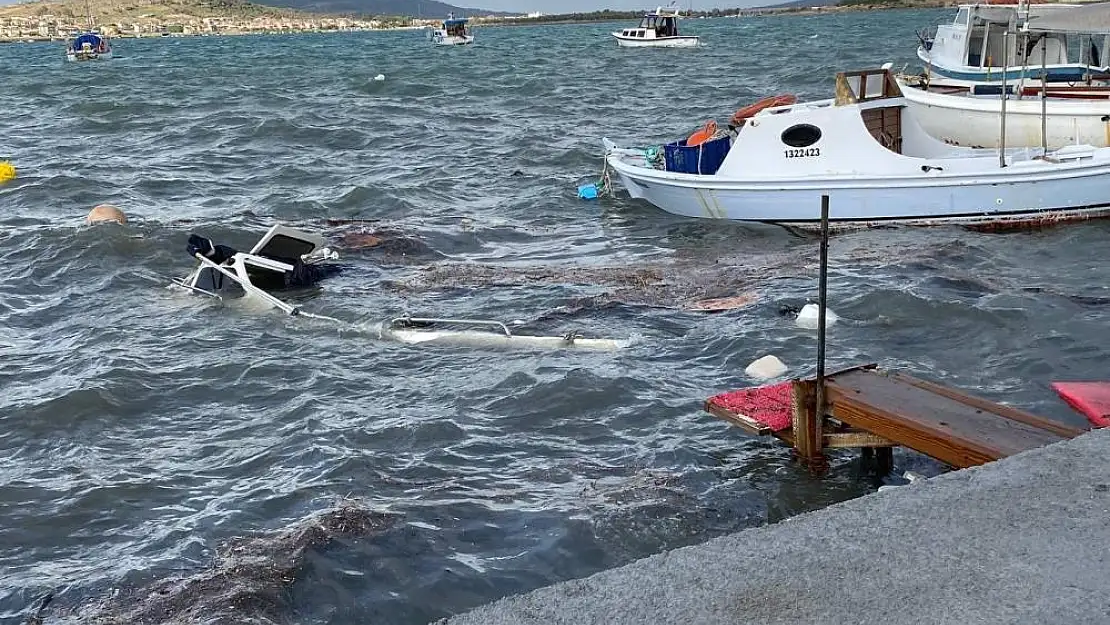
[(106, 212)]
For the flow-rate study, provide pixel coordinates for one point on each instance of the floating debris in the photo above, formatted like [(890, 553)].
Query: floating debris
[(808, 317), (248, 583), (766, 368)]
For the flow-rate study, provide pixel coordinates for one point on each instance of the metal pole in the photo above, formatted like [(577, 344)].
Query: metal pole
[(1044, 95), (821, 302), (1005, 65)]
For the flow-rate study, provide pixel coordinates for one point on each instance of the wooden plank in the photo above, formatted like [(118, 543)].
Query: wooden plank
[(935, 424), (743, 422), (988, 406), (854, 439)]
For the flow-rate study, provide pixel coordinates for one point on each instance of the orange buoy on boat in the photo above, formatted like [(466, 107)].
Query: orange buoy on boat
[(703, 135), (750, 110)]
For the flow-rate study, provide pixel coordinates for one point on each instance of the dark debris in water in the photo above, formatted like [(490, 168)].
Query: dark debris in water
[(675, 285), (250, 581)]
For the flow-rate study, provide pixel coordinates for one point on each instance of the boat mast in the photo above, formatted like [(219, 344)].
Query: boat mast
[(88, 13)]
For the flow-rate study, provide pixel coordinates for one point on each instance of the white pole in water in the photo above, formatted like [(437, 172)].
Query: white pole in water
[(1005, 66), (1044, 95)]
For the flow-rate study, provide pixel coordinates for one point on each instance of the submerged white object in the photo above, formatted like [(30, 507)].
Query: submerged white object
[(379, 77), (423, 331), (658, 29), (869, 154), (808, 317), (766, 368)]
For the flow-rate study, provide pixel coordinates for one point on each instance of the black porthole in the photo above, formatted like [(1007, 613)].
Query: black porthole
[(801, 135)]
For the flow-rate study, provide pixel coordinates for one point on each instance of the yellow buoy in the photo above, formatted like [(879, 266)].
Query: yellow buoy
[(7, 172), (106, 212)]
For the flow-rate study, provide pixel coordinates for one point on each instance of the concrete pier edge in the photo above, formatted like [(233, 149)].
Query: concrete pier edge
[(1021, 540)]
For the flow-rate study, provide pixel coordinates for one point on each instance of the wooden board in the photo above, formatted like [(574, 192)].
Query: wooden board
[(951, 426)]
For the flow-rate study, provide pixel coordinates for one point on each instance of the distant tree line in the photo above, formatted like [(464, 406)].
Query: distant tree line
[(610, 15)]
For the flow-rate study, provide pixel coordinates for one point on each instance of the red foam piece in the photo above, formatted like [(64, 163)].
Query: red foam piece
[(770, 405), (1091, 399)]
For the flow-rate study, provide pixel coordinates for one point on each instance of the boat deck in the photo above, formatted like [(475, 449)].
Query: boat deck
[(867, 407)]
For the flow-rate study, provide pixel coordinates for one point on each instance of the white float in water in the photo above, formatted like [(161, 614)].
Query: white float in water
[(766, 368), (807, 318), (379, 77)]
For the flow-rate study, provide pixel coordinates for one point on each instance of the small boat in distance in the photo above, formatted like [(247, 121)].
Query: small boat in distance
[(658, 29), (453, 33), (89, 45), (865, 150)]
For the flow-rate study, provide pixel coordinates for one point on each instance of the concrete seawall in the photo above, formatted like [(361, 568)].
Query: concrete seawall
[(1022, 540)]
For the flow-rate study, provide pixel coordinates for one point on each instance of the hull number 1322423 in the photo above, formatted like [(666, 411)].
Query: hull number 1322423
[(802, 152)]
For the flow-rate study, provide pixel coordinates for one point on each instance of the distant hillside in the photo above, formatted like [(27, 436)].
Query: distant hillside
[(115, 10), (408, 8)]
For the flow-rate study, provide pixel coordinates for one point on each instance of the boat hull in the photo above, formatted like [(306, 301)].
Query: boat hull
[(1026, 191), (976, 121), (661, 42), (77, 56), (453, 41)]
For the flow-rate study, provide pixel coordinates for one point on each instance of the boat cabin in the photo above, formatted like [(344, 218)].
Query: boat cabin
[(455, 27), (975, 39), (654, 26), (88, 42)]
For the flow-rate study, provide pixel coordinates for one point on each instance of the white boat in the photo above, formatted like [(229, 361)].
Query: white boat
[(658, 29), (1046, 114), (453, 33), (970, 117), (982, 45), (867, 152), (89, 45)]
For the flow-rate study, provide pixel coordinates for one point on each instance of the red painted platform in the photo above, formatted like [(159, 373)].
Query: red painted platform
[(1091, 399), (769, 406)]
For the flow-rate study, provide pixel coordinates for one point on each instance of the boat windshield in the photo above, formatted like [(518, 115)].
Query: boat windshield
[(455, 28), (664, 26)]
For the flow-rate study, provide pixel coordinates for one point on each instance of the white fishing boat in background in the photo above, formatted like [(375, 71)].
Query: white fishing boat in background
[(89, 45), (658, 29), (866, 150), (1049, 114), (975, 49), (453, 33)]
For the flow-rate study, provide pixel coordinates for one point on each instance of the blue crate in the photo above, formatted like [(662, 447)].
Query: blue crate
[(702, 159)]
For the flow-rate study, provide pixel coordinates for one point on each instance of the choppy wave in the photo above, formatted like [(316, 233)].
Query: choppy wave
[(141, 429)]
